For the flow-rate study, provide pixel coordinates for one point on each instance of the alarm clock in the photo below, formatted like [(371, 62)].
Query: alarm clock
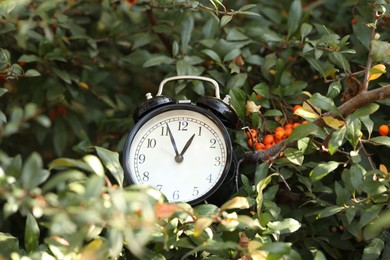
[(181, 148)]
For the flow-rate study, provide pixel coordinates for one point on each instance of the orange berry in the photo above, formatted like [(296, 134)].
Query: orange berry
[(259, 146), (384, 130), (279, 135), (252, 133), (288, 126), (289, 131), (305, 122), (268, 139), (250, 142), (279, 128), (267, 146), (296, 107), (296, 124)]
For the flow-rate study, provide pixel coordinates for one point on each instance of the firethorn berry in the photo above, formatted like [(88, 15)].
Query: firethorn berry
[(259, 146), (289, 131), (250, 142), (279, 135), (288, 126), (305, 122), (296, 124), (252, 133), (279, 128), (268, 139), (267, 146), (384, 130), (296, 107)]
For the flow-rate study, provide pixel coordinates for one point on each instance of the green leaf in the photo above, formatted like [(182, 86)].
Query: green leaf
[(64, 163), (380, 51), (382, 140), (237, 81), (337, 139), (374, 249), (238, 101), (111, 162), (187, 26), (294, 155), (339, 60), (225, 20), (306, 29), (278, 248), (353, 130), (3, 91), (8, 244), (261, 172), (232, 54), (206, 210), (262, 89), (294, 17), (33, 174), (273, 112), (294, 88), (334, 89), (31, 234), (28, 58), (304, 130), (322, 170), (329, 211), (158, 60), (62, 74), (323, 102), (213, 55), (285, 226), (316, 65), (32, 73), (366, 110)]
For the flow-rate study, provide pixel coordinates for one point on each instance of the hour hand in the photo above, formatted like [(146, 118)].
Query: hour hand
[(172, 141)]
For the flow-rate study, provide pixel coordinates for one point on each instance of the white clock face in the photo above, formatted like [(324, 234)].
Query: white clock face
[(180, 152)]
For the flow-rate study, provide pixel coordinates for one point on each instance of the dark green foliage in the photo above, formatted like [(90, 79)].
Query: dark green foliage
[(72, 72)]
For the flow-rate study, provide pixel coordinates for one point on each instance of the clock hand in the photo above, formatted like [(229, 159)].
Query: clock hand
[(172, 141), (187, 145)]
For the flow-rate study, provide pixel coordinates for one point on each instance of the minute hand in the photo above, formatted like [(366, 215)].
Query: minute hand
[(187, 145)]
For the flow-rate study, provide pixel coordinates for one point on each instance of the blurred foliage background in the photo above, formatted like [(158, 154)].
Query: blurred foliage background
[(72, 72)]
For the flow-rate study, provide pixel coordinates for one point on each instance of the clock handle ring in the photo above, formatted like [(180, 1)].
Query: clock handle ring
[(215, 83)]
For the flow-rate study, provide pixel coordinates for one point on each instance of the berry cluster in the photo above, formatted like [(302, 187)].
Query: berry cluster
[(259, 142)]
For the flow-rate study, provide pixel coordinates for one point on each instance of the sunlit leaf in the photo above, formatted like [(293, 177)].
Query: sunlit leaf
[(236, 203), (333, 122), (31, 234), (285, 226), (322, 170), (111, 162), (201, 224)]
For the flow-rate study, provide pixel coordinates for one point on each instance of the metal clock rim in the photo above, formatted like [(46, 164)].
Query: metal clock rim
[(225, 134)]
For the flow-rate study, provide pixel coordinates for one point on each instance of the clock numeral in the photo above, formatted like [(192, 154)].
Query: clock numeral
[(195, 191), (176, 195), (145, 176), (213, 142), (217, 161), (141, 158), (164, 131), (159, 187), (183, 126), (151, 143), (209, 178)]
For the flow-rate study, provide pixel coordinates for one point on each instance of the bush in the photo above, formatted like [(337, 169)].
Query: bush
[(73, 72)]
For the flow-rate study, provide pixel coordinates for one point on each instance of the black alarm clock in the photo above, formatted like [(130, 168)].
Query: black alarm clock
[(181, 148)]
